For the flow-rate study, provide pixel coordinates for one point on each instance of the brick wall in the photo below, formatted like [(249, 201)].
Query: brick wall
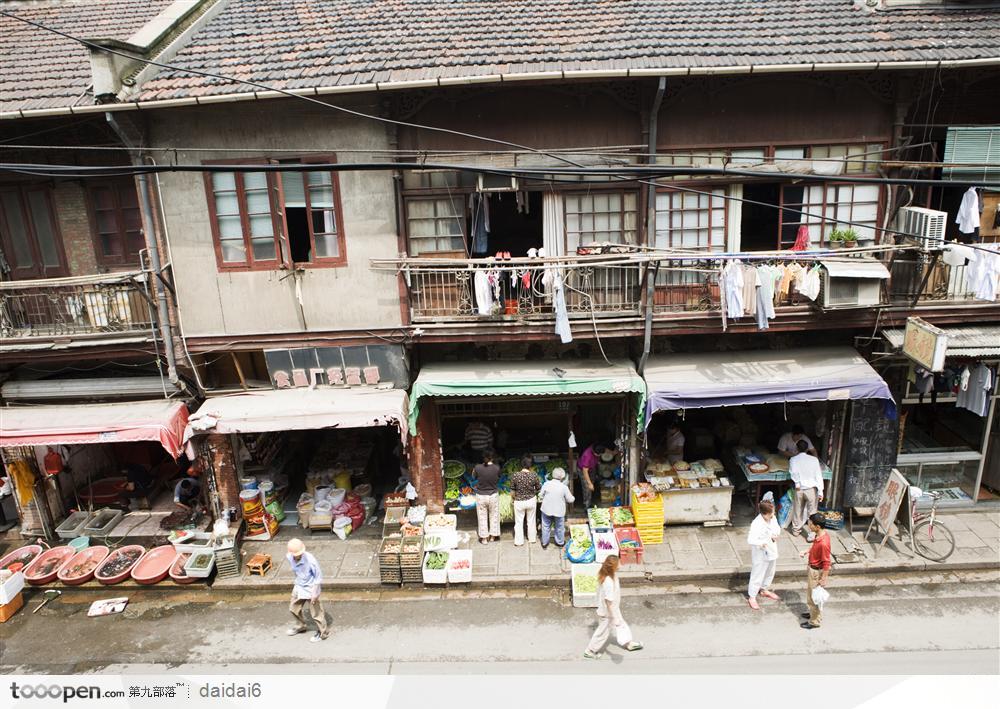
[(70, 201)]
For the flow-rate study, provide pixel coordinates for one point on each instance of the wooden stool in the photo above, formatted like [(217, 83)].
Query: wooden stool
[(259, 564)]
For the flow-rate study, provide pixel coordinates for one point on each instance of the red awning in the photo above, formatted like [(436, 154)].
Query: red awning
[(161, 420)]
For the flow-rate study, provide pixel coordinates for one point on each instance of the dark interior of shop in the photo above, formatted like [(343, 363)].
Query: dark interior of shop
[(759, 224), (515, 223)]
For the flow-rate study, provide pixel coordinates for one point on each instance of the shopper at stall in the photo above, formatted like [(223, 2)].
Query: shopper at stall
[(524, 486), (587, 467), (807, 475), (306, 590), (488, 498), (609, 612), (788, 444), (818, 570), (674, 443), (763, 541), (478, 438), (555, 495)]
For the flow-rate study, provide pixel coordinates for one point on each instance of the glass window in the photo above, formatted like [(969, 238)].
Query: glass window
[(29, 234), (600, 217), (119, 223), (860, 158), (435, 224), (685, 220), (828, 206)]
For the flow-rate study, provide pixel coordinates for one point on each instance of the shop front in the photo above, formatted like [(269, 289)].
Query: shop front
[(300, 457), (724, 421), (950, 442), (99, 459), (548, 410)]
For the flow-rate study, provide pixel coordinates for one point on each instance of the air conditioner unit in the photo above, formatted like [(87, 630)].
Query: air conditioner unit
[(498, 183), (926, 227), (853, 283)]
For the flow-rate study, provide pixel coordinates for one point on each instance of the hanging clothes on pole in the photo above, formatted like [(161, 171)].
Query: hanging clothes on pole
[(480, 206), (982, 275), (968, 212), (562, 316), (484, 294), (732, 288), (767, 276)]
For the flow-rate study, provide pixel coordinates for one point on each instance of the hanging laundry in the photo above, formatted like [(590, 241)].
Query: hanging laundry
[(976, 397), (968, 213), (480, 207), (807, 282), (562, 317), (982, 275), (484, 294), (787, 280), (765, 296), (751, 282), (731, 288), (801, 239)]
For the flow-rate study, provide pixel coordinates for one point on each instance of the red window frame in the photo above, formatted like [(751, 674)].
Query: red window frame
[(124, 256)]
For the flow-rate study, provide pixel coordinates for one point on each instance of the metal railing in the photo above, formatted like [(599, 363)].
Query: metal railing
[(917, 277), (90, 305), (686, 285), (469, 290)]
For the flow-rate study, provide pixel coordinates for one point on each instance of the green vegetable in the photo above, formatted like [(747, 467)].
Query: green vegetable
[(436, 560), (622, 515), (579, 532), (506, 507), (454, 469), (600, 517), (585, 584)]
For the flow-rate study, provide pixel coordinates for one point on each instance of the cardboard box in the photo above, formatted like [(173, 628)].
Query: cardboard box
[(7, 610)]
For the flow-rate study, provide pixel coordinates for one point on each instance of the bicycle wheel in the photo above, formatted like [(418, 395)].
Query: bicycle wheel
[(935, 543)]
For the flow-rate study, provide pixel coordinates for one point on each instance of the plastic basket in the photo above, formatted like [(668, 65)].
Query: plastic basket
[(80, 543), (629, 554), (436, 576)]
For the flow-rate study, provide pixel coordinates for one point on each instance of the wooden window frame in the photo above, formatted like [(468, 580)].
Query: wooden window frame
[(275, 193), (21, 191), (590, 193), (426, 196), (711, 197), (826, 221), (120, 233)]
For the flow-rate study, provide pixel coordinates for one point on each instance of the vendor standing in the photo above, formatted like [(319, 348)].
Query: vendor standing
[(139, 484), (674, 443), (807, 475), (594, 462), (788, 444)]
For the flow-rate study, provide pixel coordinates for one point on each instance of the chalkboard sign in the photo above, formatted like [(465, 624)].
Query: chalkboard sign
[(871, 446)]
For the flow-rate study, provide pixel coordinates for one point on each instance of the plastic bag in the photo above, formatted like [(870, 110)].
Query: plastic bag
[(820, 596), (589, 556), (785, 508)]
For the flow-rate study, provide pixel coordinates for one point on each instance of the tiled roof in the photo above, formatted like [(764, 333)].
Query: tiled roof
[(39, 69), (293, 44)]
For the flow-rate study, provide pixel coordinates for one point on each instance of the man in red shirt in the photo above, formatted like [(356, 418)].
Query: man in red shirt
[(818, 570)]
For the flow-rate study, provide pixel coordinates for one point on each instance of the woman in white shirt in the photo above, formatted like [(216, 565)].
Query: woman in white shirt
[(609, 612), (763, 541)]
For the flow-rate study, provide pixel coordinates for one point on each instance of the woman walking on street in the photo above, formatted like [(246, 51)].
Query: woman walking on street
[(609, 612), (763, 541)]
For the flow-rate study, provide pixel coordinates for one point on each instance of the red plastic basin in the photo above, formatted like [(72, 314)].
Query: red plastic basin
[(46, 565), (154, 565), (81, 567), (112, 570), (22, 555), (177, 572)]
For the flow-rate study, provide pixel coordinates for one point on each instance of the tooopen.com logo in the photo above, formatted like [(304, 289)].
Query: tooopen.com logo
[(65, 693)]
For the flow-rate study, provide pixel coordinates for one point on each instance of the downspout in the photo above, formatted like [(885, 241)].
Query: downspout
[(654, 113), (152, 246)]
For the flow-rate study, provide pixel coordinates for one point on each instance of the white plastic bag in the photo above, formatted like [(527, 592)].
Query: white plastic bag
[(820, 596)]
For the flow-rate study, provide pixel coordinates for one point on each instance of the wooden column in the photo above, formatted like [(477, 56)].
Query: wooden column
[(223, 461), (425, 458)]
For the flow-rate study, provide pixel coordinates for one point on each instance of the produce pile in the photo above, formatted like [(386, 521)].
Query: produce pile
[(452, 489), (644, 492), (391, 546), (584, 584), (436, 560), (579, 547), (454, 469), (622, 517), (433, 522), (461, 564), (579, 532), (604, 544), (506, 507), (599, 517)]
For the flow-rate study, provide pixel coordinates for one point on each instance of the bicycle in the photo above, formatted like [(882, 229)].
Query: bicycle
[(931, 538)]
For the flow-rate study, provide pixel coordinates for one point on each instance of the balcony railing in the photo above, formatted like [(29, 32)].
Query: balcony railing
[(473, 290), (919, 278), (62, 307)]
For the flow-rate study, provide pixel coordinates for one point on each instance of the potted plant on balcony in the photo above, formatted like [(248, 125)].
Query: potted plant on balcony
[(850, 238), (836, 239)]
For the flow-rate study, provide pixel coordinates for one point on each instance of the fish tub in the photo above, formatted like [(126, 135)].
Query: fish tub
[(82, 566), (118, 566), (177, 572), (23, 556), (200, 564), (154, 566), (46, 565), (72, 526), (103, 522)]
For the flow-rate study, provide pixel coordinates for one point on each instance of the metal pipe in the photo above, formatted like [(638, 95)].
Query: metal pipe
[(654, 114), (152, 245)]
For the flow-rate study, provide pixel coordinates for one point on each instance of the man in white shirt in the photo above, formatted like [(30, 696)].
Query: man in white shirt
[(788, 444), (807, 475)]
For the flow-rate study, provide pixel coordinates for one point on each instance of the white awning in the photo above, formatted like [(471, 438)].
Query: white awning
[(855, 268), (299, 410)]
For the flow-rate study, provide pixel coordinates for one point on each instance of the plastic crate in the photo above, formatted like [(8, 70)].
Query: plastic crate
[(436, 576), (629, 554), (72, 526), (200, 572), (583, 600), (103, 521), (411, 554), (459, 575), (610, 538), (627, 524), (389, 558)]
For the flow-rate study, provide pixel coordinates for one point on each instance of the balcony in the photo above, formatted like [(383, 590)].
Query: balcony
[(520, 289), (78, 307), (922, 279)]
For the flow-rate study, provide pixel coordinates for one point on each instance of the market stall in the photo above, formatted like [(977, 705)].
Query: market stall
[(549, 411), (734, 407)]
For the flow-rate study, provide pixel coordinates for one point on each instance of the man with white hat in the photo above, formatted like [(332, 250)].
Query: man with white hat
[(306, 591), (555, 495)]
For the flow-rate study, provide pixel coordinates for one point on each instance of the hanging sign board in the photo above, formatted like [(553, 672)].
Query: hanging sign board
[(925, 344), (893, 507)]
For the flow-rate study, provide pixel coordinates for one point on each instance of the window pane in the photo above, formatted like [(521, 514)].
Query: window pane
[(106, 223), (45, 232), (258, 203), (789, 153), (320, 197), (18, 231), (223, 181), (319, 178), (421, 208), (324, 221), (327, 246), (422, 227), (263, 249), (133, 222), (227, 203), (233, 251), (109, 245), (230, 227), (261, 225), (255, 181), (103, 198), (293, 187)]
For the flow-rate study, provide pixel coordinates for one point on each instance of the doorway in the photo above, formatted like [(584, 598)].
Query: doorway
[(515, 222), (759, 230)]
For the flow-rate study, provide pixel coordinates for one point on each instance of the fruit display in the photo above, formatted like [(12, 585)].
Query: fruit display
[(461, 564), (644, 492), (436, 560)]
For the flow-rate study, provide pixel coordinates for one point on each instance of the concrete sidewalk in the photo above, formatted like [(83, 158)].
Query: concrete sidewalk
[(687, 553)]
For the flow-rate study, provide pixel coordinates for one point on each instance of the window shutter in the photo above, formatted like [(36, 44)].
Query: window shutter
[(973, 146)]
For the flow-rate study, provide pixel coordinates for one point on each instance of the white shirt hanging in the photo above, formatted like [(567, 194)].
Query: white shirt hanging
[(968, 213)]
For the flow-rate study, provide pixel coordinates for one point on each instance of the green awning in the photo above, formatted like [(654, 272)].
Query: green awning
[(534, 378)]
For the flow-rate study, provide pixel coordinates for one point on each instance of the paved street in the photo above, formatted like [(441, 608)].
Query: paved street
[(944, 623)]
